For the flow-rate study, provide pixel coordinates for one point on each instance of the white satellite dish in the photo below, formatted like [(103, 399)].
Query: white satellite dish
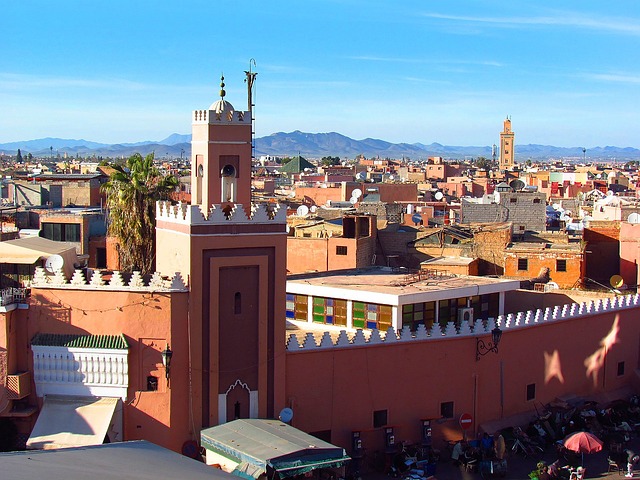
[(633, 218), (390, 177), (439, 196), (286, 415), (353, 200), (53, 263), (609, 193), (357, 193), (313, 209), (302, 210)]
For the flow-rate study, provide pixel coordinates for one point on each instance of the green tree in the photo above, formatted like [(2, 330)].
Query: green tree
[(330, 161), (19, 156), (484, 163), (132, 192)]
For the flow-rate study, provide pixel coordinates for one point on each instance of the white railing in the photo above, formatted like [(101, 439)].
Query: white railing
[(9, 296)]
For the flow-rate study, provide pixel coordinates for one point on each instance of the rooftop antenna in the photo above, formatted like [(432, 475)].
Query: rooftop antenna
[(249, 80)]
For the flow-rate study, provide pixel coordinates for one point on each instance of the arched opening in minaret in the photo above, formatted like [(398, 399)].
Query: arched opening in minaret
[(228, 174)]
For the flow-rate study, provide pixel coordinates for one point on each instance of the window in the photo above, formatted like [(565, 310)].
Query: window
[(531, 391), (297, 307), (237, 303), (513, 200), (536, 200), (523, 264), (61, 232), (620, 369), (152, 383), (341, 250), (371, 315), (379, 418), (561, 265), (418, 314), (329, 311), (446, 409)]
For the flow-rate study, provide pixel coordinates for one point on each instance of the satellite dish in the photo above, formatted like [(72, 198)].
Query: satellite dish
[(609, 193), (390, 177), (416, 218), (517, 185), (357, 193), (353, 200), (313, 209), (633, 218), (439, 196), (53, 263), (302, 210), (616, 281), (286, 415)]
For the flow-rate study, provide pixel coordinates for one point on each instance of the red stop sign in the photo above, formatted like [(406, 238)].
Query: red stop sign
[(465, 421)]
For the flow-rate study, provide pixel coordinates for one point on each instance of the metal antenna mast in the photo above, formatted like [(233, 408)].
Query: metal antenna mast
[(250, 79)]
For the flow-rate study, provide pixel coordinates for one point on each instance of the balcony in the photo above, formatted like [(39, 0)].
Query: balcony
[(12, 298), (18, 385)]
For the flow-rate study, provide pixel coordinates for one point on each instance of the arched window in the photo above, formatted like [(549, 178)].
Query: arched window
[(228, 174)]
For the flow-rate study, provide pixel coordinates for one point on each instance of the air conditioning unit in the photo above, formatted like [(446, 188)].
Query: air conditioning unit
[(465, 314)]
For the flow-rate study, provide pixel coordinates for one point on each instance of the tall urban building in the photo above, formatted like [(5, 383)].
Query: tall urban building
[(507, 146), (233, 254)]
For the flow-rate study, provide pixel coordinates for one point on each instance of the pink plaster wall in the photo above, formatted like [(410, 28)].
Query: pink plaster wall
[(338, 389)]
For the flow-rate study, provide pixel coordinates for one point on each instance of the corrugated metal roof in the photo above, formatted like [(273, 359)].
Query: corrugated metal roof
[(111, 342)]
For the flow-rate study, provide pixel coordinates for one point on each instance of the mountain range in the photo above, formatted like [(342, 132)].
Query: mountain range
[(311, 145)]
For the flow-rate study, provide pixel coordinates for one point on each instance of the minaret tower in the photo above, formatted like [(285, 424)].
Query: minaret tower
[(232, 254), (507, 146)]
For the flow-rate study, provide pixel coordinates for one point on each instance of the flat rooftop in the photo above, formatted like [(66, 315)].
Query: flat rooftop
[(385, 280)]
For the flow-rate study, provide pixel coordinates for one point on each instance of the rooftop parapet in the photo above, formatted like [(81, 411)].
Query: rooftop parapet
[(507, 322), (188, 214), (222, 117), (157, 283)]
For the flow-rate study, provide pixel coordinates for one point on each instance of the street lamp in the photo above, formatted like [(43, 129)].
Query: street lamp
[(166, 360), (483, 348)]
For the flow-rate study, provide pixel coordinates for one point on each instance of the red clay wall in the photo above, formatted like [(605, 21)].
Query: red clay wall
[(547, 259), (629, 252), (145, 320), (338, 389)]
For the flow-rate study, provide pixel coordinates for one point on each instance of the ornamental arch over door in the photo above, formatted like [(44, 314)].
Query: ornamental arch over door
[(237, 402)]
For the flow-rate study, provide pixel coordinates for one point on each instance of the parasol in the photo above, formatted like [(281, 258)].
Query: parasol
[(583, 442)]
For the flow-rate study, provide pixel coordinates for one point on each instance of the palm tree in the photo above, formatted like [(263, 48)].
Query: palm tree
[(132, 192)]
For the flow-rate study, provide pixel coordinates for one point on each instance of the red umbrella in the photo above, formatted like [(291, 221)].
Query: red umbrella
[(583, 442)]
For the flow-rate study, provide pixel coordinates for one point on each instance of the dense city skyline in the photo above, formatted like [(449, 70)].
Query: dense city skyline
[(412, 72)]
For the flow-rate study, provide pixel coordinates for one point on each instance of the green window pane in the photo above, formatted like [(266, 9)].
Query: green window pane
[(358, 314), (358, 323), (318, 318)]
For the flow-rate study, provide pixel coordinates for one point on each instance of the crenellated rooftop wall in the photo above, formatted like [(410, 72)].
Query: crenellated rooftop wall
[(228, 117), (157, 282), (188, 214), (505, 322)]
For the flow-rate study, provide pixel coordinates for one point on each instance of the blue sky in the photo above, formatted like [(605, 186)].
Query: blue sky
[(568, 73)]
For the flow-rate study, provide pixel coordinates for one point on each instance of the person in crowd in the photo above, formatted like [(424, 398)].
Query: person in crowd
[(486, 444), (457, 452), (499, 445), (632, 460)]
